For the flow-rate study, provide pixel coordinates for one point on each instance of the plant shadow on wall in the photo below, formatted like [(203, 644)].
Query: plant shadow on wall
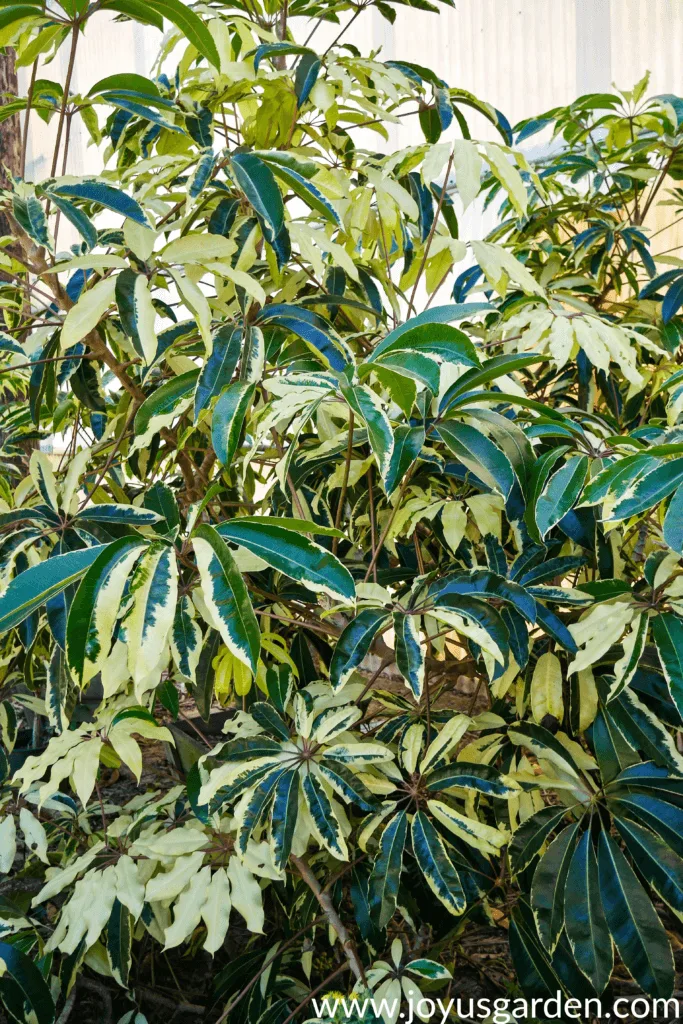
[(405, 598)]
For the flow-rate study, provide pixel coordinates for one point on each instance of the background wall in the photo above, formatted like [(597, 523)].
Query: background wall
[(523, 56)]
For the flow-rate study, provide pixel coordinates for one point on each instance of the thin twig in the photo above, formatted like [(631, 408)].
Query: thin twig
[(389, 524), (65, 97), (373, 535), (345, 483), (264, 967), (430, 236), (27, 116), (375, 676), (346, 27), (313, 994)]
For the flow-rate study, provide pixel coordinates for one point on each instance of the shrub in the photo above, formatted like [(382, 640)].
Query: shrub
[(431, 572)]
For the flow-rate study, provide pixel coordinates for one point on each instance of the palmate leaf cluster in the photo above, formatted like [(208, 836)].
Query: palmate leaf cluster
[(408, 507)]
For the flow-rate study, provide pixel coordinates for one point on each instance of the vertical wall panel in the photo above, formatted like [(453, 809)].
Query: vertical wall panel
[(523, 56)]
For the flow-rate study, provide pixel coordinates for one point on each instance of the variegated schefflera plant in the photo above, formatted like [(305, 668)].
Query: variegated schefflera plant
[(433, 572)]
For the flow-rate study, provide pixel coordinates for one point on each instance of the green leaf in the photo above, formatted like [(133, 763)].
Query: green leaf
[(472, 610), (163, 406), (307, 191), (30, 983), (413, 365), (493, 368), (154, 593), (95, 607), (643, 729), (483, 583), (126, 515), (673, 522), (548, 889), (538, 477), (659, 865), (408, 442), (480, 455), (633, 922), (80, 221), (354, 643), (127, 81), (284, 816), (280, 685), (543, 744), (203, 689), (650, 489), (347, 785), (275, 50), (186, 639), (585, 919), (57, 688), (134, 300), (410, 654), (436, 315), (191, 26), (366, 404), (479, 778), (95, 191), (386, 871), (19, 12), (437, 339), (30, 215), (324, 818), (268, 718), (292, 553), (528, 839), (436, 865), (256, 180), (531, 963), (226, 596), (667, 633), (36, 585), (259, 800), (659, 815), (560, 493), (168, 697), (294, 525), (315, 330), (136, 9), (218, 369), (119, 942), (228, 419)]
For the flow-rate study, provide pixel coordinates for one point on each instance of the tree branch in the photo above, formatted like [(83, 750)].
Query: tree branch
[(333, 918)]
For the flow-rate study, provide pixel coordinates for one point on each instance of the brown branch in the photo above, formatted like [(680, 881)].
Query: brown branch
[(388, 526), (333, 918), (65, 97)]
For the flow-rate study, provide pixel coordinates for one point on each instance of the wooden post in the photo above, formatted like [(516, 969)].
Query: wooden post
[(10, 130)]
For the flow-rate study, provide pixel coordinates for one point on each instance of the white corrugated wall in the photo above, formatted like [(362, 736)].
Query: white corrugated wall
[(523, 56)]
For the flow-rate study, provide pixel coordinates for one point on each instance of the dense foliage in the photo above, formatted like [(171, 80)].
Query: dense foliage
[(431, 572)]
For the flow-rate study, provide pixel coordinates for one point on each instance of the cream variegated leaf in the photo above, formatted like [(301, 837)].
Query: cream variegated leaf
[(154, 591)]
